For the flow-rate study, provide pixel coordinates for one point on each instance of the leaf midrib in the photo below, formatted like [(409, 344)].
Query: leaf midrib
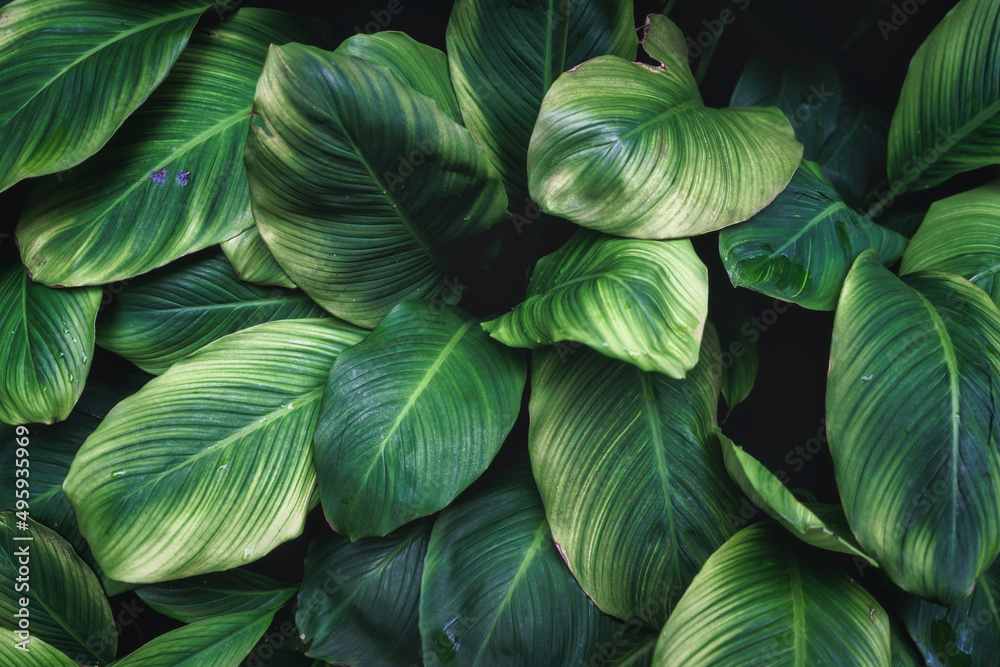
[(534, 549), (271, 418), (551, 18), (99, 47), (798, 612), (414, 395), (951, 361), (219, 306), (828, 211), (658, 444)]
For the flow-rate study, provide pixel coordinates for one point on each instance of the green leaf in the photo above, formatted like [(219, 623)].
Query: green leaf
[(910, 404), (513, 602), (631, 475), (904, 651), (809, 523), (223, 641), (802, 245), (362, 187), (358, 601), (165, 316), (641, 301), (423, 68), (961, 234), (947, 120), (966, 634), (631, 150), (411, 416), (47, 336), (756, 599), (253, 262), (64, 98), (808, 95), (50, 452), (35, 653), (504, 56), (66, 606), (209, 465), (172, 180), (217, 594)]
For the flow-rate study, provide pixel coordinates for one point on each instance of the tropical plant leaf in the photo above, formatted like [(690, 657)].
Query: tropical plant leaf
[(50, 452), (947, 120), (961, 234), (358, 601), (634, 488), (64, 98), (966, 634), (504, 57), (757, 599), (364, 210), (253, 262), (515, 603), (854, 156), (47, 336), (223, 641), (411, 417), (808, 95), (809, 523), (66, 606), (910, 403), (630, 149), (802, 245), (209, 465), (640, 654), (641, 301), (217, 594), (904, 651), (35, 653), (165, 316), (172, 181), (423, 68)]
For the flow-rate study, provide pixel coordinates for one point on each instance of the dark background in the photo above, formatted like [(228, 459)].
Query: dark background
[(782, 421)]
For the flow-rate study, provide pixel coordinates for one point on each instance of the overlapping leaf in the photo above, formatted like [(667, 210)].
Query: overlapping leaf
[(217, 594), (967, 634), (516, 602), (35, 653), (47, 337), (223, 641), (641, 301), (161, 318), (504, 57), (854, 156), (947, 120), (961, 234), (209, 465), (172, 181), (359, 600), (802, 245), (67, 608), (363, 188), (64, 98), (822, 526), (809, 96), (50, 452), (757, 599), (631, 475), (631, 150), (911, 403), (411, 417), (253, 262)]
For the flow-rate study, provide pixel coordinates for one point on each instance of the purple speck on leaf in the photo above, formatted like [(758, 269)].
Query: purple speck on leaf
[(158, 176), (182, 177)]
